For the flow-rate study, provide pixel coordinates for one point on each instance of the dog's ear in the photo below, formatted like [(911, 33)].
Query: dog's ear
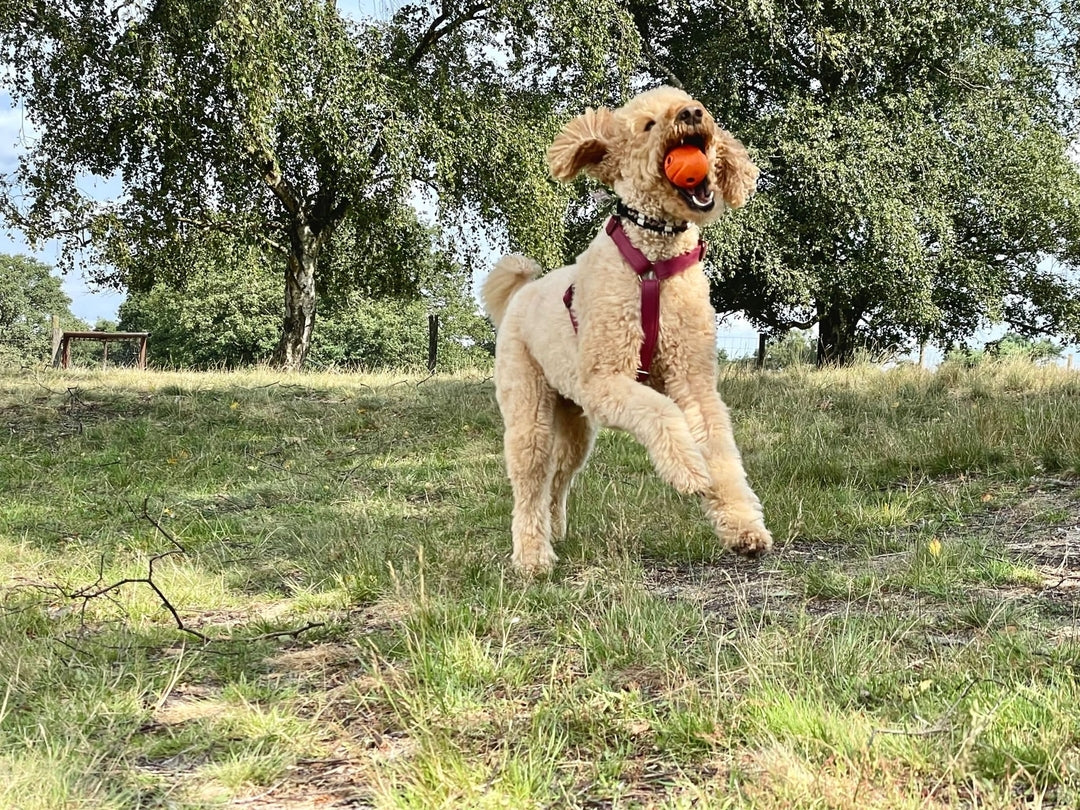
[(736, 174), (582, 145)]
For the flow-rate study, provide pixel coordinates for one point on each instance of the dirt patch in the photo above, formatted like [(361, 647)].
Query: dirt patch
[(315, 784), (1043, 531), (733, 584), (185, 703), (1039, 531)]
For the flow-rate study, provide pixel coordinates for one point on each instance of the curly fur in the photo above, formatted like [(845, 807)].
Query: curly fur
[(555, 387)]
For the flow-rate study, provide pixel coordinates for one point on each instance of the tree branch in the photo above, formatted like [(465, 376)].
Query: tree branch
[(267, 165), (97, 589), (650, 52), (437, 30)]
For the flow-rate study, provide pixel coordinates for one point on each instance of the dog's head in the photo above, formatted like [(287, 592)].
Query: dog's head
[(625, 150)]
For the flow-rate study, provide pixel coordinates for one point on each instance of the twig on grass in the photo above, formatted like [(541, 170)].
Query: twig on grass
[(942, 725), (40, 384), (295, 633), (97, 589)]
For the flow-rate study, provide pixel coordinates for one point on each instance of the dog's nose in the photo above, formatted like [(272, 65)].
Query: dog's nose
[(691, 116)]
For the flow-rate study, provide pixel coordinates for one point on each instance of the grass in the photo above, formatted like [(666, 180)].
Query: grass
[(339, 543)]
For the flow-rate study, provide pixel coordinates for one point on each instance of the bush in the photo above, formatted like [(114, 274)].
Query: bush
[(231, 316), (1011, 346), (225, 317), (796, 348)]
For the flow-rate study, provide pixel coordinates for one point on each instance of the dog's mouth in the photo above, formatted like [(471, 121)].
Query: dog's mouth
[(699, 197)]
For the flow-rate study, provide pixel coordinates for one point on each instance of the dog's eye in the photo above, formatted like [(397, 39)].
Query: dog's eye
[(650, 125)]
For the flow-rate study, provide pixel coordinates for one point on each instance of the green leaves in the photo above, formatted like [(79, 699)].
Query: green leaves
[(915, 167), (29, 294), (278, 123)]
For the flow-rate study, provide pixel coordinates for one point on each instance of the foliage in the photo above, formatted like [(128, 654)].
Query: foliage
[(915, 163), (29, 295), (279, 122), (1010, 346), (227, 314), (1016, 345), (390, 333), (796, 348), (916, 174)]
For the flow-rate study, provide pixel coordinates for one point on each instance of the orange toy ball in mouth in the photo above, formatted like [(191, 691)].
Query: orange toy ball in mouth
[(686, 166)]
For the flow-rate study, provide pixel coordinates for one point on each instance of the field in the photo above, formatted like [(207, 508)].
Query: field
[(272, 591)]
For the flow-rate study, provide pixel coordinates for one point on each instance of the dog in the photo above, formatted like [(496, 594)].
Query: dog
[(581, 347)]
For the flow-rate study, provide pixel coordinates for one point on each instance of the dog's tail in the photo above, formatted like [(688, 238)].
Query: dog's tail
[(510, 274)]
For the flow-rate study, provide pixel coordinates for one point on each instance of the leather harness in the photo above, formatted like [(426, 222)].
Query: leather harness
[(650, 275)]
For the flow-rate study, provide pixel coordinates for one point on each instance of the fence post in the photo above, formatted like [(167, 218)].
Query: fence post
[(432, 341), (762, 342)]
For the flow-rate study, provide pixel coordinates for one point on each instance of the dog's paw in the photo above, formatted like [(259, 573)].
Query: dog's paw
[(534, 562), (750, 540)]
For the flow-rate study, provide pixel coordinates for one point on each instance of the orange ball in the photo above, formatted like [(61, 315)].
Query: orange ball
[(686, 166)]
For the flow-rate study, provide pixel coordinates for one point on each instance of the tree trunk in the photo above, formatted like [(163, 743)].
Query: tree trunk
[(836, 336), (299, 320)]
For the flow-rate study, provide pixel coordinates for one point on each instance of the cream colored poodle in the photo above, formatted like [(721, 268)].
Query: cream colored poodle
[(571, 344)]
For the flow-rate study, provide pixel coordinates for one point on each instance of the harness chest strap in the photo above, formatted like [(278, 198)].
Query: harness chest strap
[(650, 274)]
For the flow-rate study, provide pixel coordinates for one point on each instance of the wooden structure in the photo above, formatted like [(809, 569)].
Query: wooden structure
[(62, 347)]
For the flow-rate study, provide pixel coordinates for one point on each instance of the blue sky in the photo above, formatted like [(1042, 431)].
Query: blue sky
[(91, 303), (88, 303)]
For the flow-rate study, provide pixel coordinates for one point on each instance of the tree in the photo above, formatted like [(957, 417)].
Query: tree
[(29, 295), (226, 312), (278, 121), (915, 162)]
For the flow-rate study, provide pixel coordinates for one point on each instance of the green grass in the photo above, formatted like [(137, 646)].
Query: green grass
[(340, 550)]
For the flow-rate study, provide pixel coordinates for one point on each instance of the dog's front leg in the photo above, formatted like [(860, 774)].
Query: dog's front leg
[(617, 401), (730, 503)]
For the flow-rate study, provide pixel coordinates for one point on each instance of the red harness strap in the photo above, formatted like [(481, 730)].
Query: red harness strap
[(650, 275)]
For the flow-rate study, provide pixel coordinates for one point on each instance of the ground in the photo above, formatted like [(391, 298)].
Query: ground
[(345, 630)]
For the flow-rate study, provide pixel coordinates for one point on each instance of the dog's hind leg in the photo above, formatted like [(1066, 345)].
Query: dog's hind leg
[(527, 403), (574, 435)]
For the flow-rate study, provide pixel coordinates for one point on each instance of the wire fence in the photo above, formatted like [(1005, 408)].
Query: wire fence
[(734, 347)]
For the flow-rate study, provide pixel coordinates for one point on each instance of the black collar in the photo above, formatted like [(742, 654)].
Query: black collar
[(647, 222)]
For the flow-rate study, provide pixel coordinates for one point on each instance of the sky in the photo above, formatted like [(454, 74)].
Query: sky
[(92, 303), (87, 302)]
